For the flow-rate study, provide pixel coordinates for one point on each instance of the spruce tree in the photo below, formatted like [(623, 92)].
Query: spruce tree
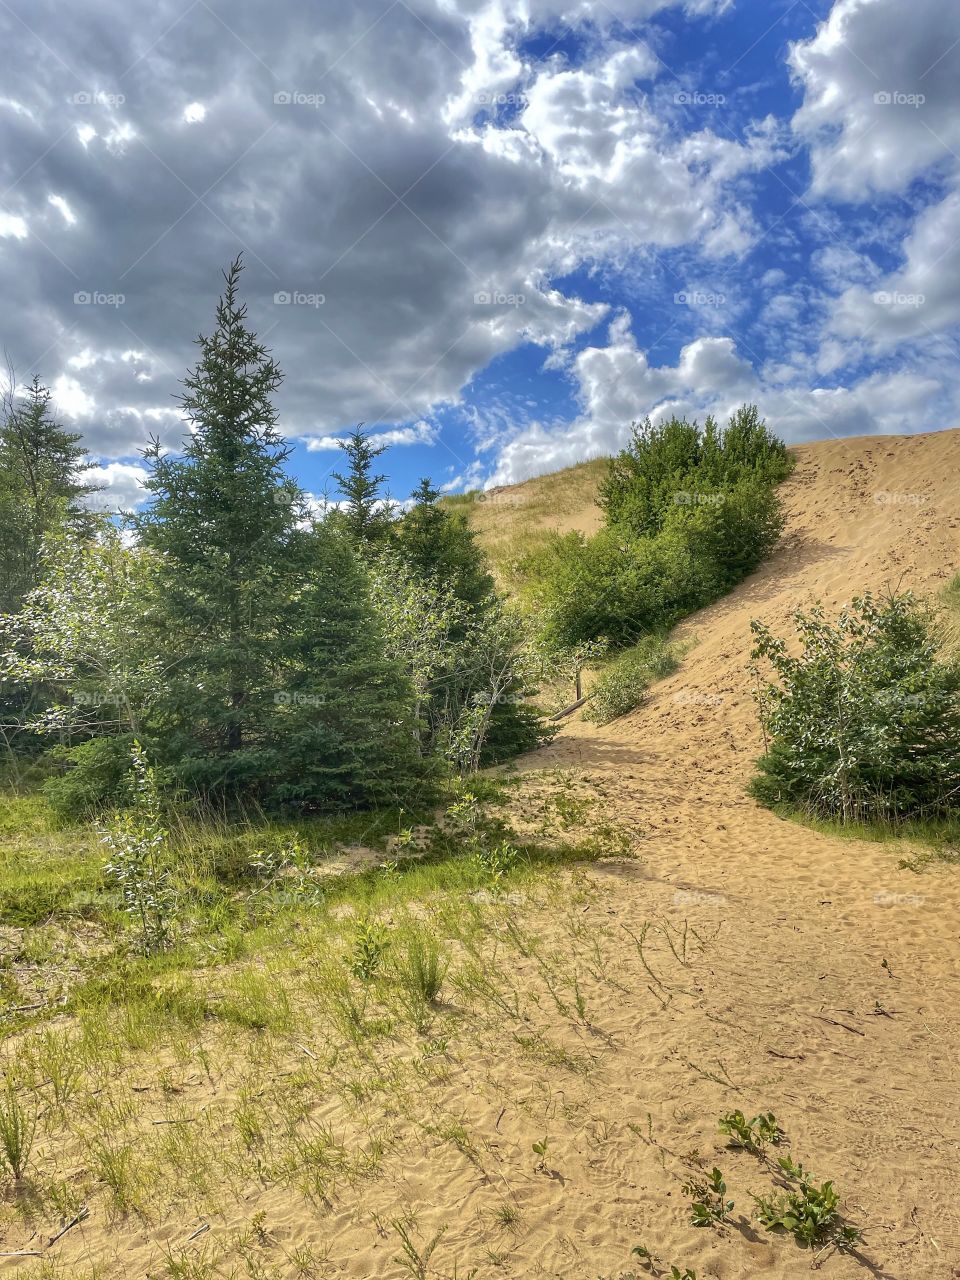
[(364, 516), (223, 522), (41, 488), (278, 689), (439, 545)]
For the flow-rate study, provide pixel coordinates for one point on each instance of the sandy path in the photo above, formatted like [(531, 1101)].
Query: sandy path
[(807, 920)]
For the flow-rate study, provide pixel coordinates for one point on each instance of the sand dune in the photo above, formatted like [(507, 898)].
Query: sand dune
[(807, 920), (739, 961)]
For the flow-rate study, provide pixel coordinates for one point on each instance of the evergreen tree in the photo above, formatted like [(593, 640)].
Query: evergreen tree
[(41, 488), (224, 523), (364, 517), (440, 545), (276, 688)]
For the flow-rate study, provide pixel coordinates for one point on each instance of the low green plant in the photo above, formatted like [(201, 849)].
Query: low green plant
[(421, 967), (650, 1261), (753, 1135), (137, 841), (413, 1259), (810, 1211), (709, 1204), (370, 943), (18, 1127), (621, 686)]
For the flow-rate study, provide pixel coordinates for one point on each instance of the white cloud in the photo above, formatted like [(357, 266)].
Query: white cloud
[(922, 298), (122, 486), (618, 385), (879, 81), (194, 113), (12, 226), (63, 209)]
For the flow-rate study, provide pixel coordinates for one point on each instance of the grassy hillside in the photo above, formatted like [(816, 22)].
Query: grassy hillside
[(514, 520)]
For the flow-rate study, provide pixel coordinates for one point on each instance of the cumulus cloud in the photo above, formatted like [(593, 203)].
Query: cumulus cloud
[(618, 386), (879, 81), (423, 191), (362, 189)]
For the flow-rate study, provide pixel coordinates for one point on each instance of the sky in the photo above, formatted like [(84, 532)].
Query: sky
[(497, 232)]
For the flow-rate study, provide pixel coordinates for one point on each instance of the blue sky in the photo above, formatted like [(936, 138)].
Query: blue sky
[(495, 231)]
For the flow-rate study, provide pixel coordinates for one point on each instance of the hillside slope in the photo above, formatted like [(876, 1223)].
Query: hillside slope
[(834, 989)]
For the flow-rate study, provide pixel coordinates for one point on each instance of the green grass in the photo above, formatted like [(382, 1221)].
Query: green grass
[(227, 913), (935, 841)]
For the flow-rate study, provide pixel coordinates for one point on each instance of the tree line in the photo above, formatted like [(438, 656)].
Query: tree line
[(257, 653)]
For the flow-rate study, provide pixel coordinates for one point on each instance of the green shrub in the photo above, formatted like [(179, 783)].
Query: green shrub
[(95, 776), (622, 685), (690, 512), (864, 724), (679, 463)]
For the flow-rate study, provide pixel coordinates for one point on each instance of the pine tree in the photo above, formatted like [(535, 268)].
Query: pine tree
[(364, 517), (278, 689), (439, 545), (41, 488), (224, 524)]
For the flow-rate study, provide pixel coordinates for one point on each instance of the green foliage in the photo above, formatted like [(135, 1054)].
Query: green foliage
[(753, 1135), (439, 546), (708, 1202), (421, 966), (678, 463), (41, 487), (366, 518), (864, 723), (95, 776), (275, 684), (370, 944), (18, 1127), (137, 842), (621, 685), (810, 1211), (467, 663), (690, 512)]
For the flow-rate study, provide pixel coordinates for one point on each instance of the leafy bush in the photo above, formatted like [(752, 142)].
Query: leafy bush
[(808, 1210), (690, 511), (864, 724), (621, 686), (679, 463), (95, 776)]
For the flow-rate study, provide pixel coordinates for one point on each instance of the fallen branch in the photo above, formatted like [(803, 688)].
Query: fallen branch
[(568, 711), (82, 1213), (833, 1023)]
